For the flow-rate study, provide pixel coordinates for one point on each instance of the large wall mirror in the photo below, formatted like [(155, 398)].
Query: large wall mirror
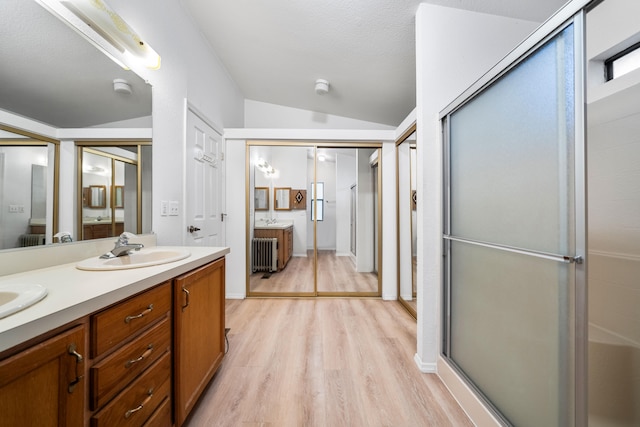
[(53, 77), (407, 216)]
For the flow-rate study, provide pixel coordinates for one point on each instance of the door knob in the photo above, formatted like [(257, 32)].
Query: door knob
[(193, 229)]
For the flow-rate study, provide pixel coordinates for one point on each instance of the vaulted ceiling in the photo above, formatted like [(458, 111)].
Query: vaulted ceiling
[(275, 50)]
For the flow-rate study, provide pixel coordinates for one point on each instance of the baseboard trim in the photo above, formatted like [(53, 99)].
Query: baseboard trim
[(235, 296), (477, 412), (425, 368)]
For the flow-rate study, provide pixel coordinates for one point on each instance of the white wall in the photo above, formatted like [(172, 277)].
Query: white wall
[(365, 213), (326, 229), (345, 178), (453, 48), (191, 70), (269, 116)]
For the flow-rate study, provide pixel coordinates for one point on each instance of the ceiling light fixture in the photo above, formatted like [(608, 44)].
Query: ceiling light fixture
[(322, 86), (110, 26)]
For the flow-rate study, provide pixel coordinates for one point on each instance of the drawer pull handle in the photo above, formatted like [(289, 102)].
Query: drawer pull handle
[(143, 356), (72, 350), (138, 316), (140, 406), (186, 299)]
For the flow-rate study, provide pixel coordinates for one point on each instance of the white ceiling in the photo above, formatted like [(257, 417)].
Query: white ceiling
[(276, 49)]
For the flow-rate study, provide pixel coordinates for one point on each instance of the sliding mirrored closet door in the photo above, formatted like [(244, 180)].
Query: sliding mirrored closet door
[(313, 223)]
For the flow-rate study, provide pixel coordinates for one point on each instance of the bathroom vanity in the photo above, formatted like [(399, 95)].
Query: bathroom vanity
[(105, 348), (284, 233)]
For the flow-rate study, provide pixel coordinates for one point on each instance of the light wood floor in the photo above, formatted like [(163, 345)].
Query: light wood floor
[(335, 274), (323, 362)]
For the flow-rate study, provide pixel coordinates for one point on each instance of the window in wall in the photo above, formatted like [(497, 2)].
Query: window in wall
[(623, 63), (317, 201)]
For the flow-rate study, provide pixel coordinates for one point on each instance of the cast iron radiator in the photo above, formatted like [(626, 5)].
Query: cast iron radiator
[(31, 240), (265, 254)]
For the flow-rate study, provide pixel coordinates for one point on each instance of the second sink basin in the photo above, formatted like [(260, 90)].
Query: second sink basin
[(16, 297), (141, 258)]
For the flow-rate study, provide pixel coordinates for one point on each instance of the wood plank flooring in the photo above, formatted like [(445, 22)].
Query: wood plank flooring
[(335, 274), (323, 362)]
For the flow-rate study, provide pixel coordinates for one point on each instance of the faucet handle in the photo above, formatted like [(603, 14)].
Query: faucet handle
[(124, 238)]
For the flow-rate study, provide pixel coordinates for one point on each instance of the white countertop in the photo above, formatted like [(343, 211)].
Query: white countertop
[(276, 226), (74, 293)]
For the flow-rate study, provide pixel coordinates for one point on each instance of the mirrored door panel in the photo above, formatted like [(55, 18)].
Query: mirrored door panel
[(281, 252), (346, 200), (27, 191)]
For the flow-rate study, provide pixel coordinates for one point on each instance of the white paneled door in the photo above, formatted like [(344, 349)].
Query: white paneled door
[(204, 195)]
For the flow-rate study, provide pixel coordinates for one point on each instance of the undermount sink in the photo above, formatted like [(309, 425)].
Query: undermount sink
[(16, 297), (138, 259)]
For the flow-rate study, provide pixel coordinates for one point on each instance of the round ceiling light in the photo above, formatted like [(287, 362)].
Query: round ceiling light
[(122, 86), (322, 86)]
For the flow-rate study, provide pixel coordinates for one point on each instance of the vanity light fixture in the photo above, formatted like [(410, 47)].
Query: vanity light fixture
[(97, 15), (265, 167)]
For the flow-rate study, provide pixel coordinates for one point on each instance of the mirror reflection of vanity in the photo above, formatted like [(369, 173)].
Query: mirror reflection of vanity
[(282, 197), (261, 195), (37, 106), (97, 197)]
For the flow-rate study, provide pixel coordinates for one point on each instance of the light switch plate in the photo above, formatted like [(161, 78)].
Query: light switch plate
[(164, 208), (173, 208)]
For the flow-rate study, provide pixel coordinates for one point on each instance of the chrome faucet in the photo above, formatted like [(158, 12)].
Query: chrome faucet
[(123, 247), (63, 237)]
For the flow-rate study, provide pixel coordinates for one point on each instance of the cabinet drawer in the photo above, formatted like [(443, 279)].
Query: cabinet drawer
[(115, 324), (140, 399), (162, 416), (114, 372)]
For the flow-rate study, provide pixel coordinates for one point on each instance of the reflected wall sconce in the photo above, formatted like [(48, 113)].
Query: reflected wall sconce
[(265, 168), (110, 26)]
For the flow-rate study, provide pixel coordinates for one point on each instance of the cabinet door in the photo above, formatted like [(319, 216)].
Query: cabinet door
[(199, 333), (36, 385)]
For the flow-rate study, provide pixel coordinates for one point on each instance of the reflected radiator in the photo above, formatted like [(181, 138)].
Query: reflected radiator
[(265, 254), (31, 240)]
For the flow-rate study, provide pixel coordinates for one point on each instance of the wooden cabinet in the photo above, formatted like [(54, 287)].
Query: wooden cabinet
[(285, 242), (124, 378), (199, 303), (131, 373), (101, 231), (44, 385)]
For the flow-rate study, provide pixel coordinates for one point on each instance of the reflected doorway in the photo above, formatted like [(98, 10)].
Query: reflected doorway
[(111, 189), (327, 206), (406, 194)]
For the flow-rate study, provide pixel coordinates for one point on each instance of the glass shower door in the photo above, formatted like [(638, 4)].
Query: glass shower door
[(510, 237)]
